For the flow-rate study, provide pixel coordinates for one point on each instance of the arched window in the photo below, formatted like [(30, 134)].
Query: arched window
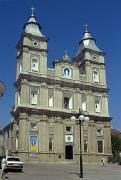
[(67, 72)]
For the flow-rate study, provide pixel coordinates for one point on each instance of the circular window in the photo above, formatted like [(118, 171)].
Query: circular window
[(35, 43)]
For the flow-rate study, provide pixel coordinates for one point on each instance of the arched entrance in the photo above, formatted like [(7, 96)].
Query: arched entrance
[(68, 152)]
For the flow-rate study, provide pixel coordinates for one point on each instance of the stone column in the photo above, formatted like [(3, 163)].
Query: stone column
[(91, 138), (107, 139), (23, 135), (13, 137)]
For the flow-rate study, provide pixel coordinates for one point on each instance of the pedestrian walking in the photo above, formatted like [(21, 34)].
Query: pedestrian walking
[(103, 161), (3, 165)]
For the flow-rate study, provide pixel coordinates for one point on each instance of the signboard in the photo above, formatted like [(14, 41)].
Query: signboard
[(33, 143)]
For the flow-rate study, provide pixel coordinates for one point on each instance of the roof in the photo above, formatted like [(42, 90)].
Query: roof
[(116, 133), (88, 42), (32, 27)]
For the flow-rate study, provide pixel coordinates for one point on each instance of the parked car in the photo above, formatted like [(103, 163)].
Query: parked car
[(13, 163)]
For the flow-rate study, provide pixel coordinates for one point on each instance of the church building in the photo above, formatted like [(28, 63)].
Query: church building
[(48, 99)]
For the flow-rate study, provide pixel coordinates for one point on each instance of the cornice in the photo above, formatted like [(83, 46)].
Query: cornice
[(49, 81), (34, 48), (52, 113)]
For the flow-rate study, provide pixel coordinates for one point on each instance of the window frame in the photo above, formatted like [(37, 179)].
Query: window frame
[(95, 104), (69, 72), (37, 62), (95, 78), (101, 140), (66, 98), (32, 92)]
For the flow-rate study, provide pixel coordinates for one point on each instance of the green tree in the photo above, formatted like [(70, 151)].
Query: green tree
[(116, 145)]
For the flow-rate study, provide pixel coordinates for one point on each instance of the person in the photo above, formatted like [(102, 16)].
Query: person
[(103, 161), (3, 165)]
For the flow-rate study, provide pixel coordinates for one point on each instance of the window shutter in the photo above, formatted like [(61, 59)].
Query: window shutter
[(50, 97), (17, 143), (20, 68), (50, 101), (84, 106), (70, 103), (19, 99)]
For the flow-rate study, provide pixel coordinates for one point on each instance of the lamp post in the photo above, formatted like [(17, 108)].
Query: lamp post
[(80, 117)]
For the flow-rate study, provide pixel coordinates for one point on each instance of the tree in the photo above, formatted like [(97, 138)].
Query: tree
[(116, 145)]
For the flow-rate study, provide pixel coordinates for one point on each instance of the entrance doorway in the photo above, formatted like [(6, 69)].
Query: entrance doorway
[(68, 152)]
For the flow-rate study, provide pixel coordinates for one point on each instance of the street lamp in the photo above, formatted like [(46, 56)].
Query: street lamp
[(80, 117)]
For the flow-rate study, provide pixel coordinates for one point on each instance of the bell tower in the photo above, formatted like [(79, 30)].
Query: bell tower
[(91, 60), (91, 64), (31, 68), (32, 49)]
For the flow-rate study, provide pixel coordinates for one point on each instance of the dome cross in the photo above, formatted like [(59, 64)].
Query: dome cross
[(33, 9)]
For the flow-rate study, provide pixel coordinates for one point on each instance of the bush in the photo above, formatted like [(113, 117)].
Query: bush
[(114, 159)]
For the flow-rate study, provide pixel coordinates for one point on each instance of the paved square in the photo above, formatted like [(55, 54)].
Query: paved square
[(64, 171)]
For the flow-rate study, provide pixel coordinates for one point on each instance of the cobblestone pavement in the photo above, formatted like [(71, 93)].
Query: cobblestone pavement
[(67, 172)]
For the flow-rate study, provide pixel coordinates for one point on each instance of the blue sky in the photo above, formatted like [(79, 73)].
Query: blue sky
[(63, 23)]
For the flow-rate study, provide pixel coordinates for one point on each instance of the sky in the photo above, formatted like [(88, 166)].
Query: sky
[(63, 22)]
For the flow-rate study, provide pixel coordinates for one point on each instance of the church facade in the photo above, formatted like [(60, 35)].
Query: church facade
[(46, 99)]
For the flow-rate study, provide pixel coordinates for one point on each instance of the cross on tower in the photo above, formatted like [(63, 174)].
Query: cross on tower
[(86, 27), (32, 11)]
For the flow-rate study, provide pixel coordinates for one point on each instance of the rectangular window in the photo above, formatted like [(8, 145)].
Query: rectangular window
[(84, 105), (33, 97), (35, 66), (97, 104), (66, 102), (100, 146), (68, 128)]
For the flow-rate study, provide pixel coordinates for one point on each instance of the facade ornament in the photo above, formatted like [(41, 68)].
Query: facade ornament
[(66, 57)]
